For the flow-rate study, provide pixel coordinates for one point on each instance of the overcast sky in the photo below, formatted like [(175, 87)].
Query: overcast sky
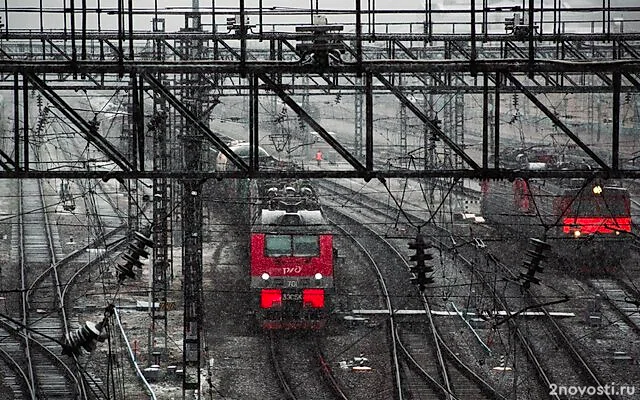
[(20, 19)]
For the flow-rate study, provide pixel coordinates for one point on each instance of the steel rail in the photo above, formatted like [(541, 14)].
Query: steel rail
[(387, 298), (15, 328), (574, 352), (529, 350), (428, 376), (282, 379), (438, 341), (25, 295), (448, 391), (52, 271), (328, 373), (15, 365)]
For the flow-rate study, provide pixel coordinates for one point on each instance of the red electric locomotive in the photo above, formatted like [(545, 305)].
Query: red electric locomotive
[(587, 221), (291, 256)]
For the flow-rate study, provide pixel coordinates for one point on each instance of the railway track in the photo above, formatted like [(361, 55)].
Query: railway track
[(622, 298), (421, 372), (43, 311), (588, 374), (292, 358), (47, 278)]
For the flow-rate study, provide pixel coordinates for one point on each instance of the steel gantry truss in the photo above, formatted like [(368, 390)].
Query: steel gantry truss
[(186, 73), (616, 74)]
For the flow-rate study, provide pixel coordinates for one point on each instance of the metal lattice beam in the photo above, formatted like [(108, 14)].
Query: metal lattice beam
[(557, 122), (193, 119), (425, 119), (89, 131)]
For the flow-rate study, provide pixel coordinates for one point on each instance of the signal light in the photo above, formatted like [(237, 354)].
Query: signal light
[(131, 257), (533, 264), (270, 298), (597, 189), (313, 298), (420, 270)]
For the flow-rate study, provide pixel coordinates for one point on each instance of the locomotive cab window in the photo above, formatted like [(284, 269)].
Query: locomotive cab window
[(305, 246), (291, 245), (612, 206), (277, 245)]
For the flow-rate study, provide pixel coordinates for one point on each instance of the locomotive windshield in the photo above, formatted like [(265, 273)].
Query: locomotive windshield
[(291, 245), (599, 205)]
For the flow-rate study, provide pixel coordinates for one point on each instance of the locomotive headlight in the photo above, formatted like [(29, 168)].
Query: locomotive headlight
[(597, 189), (265, 276), (576, 233), (318, 276)]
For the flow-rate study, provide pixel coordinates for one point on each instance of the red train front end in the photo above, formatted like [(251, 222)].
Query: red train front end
[(595, 210), (291, 259)]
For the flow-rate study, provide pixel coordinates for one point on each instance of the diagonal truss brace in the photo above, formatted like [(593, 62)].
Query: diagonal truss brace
[(555, 120), (8, 161), (202, 128), (309, 120), (90, 131), (277, 89), (423, 117)]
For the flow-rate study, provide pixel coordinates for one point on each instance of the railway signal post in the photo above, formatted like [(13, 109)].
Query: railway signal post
[(420, 270)]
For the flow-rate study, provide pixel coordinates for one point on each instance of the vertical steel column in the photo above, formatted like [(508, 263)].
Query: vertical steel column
[(279, 56), (72, 15), (16, 120), (369, 121), (458, 133), (243, 39), (615, 139), (120, 33), (141, 125), (473, 38), (192, 218), (161, 207), (358, 37), (485, 14), (256, 121), (485, 121), (131, 47), (496, 130), (135, 111), (357, 142), (404, 148), (83, 54), (253, 134), (449, 126), (304, 136), (6, 18), (99, 12), (128, 137), (41, 15), (25, 121), (531, 39)]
